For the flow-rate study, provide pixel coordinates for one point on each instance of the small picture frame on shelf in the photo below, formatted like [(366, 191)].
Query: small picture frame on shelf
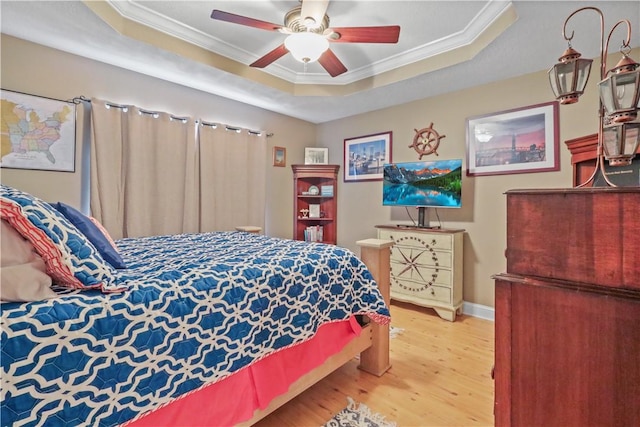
[(326, 190), (314, 211), (316, 156)]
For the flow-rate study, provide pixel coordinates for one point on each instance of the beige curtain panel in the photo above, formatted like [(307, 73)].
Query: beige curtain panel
[(153, 173), (232, 178)]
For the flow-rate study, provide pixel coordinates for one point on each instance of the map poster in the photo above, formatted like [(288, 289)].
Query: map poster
[(37, 133)]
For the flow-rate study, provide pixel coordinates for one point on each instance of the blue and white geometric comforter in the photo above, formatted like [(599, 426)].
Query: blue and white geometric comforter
[(199, 307)]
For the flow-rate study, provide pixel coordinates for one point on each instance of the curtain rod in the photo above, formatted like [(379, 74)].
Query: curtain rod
[(82, 98)]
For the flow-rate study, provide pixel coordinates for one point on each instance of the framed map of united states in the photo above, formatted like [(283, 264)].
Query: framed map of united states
[(37, 133)]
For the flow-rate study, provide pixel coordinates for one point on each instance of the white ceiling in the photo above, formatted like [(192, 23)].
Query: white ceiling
[(444, 46)]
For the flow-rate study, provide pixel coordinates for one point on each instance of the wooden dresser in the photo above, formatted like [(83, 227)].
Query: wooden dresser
[(567, 326)]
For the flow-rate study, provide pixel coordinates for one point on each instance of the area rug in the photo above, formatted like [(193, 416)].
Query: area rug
[(394, 332), (358, 415)]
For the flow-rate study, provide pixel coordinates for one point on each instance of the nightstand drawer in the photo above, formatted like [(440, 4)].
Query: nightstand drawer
[(413, 289), (420, 257), (426, 275), (428, 240)]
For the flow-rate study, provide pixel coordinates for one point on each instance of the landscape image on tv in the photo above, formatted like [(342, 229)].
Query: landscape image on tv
[(426, 183)]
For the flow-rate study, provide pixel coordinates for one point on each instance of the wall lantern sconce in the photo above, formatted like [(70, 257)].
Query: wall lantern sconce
[(619, 126)]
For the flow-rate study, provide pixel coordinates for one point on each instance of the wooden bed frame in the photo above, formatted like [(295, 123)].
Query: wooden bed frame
[(372, 344)]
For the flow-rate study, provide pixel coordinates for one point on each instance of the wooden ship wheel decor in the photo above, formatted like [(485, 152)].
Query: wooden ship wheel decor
[(426, 141)]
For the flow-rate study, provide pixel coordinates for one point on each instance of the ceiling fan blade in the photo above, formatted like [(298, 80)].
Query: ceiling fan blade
[(270, 57), (331, 63), (315, 9), (387, 34), (244, 20)]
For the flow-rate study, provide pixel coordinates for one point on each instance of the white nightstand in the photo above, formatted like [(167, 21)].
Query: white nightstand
[(249, 229), (426, 267)]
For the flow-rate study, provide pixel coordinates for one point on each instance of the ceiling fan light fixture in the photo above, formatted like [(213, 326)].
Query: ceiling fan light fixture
[(306, 46)]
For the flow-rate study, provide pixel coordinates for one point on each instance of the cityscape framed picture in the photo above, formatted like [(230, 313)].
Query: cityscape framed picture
[(522, 140), (364, 156)]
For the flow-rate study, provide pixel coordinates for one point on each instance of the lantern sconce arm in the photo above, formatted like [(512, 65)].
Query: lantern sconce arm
[(604, 44)]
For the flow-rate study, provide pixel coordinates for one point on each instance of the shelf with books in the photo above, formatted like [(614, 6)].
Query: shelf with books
[(315, 201), (314, 233)]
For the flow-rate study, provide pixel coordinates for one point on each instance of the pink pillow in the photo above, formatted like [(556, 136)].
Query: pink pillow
[(23, 271), (103, 231)]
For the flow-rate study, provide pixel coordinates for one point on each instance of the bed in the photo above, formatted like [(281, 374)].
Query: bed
[(199, 329)]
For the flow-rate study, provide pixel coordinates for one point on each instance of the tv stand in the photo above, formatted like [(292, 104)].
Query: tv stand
[(422, 213), (423, 219), (426, 267), (420, 227)]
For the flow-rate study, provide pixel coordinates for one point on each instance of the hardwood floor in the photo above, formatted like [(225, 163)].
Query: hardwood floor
[(440, 376)]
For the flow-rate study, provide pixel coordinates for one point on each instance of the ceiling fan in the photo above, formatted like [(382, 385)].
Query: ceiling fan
[(309, 34)]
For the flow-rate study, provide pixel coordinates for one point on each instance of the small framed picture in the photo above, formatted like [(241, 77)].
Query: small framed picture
[(314, 211), (279, 156), (316, 156)]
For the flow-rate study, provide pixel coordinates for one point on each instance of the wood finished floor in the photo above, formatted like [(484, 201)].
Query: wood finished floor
[(440, 376)]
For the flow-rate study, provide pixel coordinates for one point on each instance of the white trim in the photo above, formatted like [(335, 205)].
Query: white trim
[(477, 310), (137, 12)]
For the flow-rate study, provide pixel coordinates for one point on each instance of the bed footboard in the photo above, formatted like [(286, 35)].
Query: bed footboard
[(375, 253)]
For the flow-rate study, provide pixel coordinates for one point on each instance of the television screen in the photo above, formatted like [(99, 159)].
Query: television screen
[(435, 183)]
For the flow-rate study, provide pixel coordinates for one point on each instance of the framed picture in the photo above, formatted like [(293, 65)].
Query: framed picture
[(522, 140), (40, 132), (364, 156), (316, 156), (279, 156), (314, 211)]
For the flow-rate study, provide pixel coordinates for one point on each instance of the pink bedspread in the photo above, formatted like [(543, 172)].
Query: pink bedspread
[(234, 399)]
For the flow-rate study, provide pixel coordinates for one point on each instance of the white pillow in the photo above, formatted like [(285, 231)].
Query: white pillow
[(22, 270)]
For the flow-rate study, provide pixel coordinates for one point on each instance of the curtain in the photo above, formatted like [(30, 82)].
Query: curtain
[(155, 174), (232, 178), (107, 174), (144, 171)]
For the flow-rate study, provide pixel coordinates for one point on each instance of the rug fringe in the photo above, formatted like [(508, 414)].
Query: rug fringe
[(363, 409)]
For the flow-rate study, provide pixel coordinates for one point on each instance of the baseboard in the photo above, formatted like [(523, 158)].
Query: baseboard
[(477, 310)]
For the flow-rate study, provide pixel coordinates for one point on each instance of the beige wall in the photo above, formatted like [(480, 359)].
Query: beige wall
[(35, 69), (38, 70)]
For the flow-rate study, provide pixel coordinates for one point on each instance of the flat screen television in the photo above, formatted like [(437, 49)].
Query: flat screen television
[(423, 184)]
